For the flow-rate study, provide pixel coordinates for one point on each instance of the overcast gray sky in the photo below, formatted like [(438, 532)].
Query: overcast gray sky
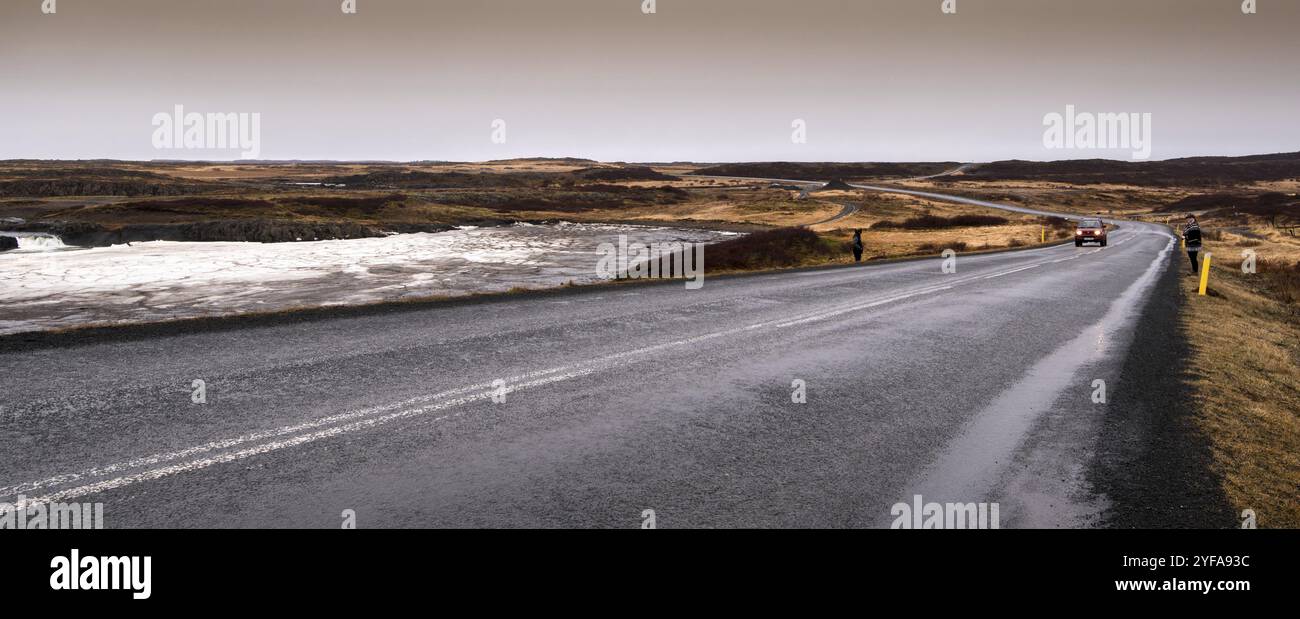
[(702, 80)]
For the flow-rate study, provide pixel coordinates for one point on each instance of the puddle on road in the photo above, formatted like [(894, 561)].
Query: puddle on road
[(972, 465)]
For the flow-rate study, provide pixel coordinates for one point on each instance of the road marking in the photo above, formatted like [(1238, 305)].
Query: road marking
[(359, 419), (1032, 266), (314, 430), (300, 439)]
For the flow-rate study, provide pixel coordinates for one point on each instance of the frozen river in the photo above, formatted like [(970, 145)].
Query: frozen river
[(44, 285)]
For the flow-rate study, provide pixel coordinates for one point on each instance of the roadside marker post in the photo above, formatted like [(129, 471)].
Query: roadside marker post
[(1205, 273), (1044, 239)]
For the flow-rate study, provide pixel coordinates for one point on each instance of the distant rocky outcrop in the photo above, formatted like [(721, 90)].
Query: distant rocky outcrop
[(263, 231), (628, 173), (806, 171), (1195, 171), (69, 179)]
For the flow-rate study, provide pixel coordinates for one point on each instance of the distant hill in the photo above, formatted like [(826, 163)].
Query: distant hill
[(630, 173), (68, 179), (824, 171), (1194, 171)]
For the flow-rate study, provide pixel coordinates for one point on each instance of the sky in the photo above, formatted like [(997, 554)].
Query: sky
[(696, 80)]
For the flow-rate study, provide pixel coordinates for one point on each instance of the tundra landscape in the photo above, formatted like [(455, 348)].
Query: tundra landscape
[(288, 290), (763, 217)]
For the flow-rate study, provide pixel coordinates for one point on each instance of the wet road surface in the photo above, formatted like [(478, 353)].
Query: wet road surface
[(586, 409)]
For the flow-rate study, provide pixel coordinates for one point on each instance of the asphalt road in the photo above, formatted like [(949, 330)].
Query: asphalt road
[(973, 386)]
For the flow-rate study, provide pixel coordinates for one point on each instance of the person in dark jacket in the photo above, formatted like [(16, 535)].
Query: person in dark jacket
[(857, 245), (1192, 239)]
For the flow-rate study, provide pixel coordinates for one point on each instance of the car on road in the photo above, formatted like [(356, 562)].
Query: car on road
[(1090, 231)]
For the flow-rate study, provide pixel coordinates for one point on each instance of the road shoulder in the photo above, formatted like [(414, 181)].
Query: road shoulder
[(1152, 462)]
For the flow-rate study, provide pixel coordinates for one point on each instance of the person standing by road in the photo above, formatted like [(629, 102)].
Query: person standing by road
[(1192, 240), (857, 245)]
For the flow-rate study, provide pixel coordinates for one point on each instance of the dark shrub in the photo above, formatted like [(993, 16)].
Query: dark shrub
[(783, 247), (930, 222)]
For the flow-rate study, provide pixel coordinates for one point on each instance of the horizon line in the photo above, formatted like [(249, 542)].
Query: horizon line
[(628, 162)]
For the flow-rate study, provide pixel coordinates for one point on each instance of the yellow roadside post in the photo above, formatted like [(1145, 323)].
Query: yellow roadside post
[(1044, 239), (1205, 273)]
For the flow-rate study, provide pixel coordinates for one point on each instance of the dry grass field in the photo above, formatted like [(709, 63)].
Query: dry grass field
[(1245, 336)]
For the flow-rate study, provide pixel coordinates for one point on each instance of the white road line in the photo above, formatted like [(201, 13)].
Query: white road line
[(370, 417), (256, 436), (1026, 268), (300, 439)]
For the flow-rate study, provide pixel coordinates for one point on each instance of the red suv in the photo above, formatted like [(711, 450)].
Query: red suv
[(1090, 230)]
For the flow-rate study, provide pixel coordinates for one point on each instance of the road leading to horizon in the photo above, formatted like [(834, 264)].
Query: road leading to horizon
[(973, 386)]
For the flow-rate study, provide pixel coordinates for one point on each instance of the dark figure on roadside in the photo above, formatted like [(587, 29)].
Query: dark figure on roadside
[(857, 245), (1192, 239)]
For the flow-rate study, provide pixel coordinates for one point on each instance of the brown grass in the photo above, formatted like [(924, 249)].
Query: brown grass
[(888, 243), (1245, 364)]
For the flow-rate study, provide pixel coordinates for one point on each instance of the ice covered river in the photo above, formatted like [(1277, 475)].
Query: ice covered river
[(45, 285)]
